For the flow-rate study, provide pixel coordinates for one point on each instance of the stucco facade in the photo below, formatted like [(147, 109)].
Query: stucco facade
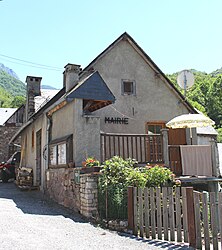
[(28, 143), (154, 100), (75, 114)]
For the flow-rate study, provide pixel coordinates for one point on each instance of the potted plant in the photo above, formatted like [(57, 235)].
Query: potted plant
[(90, 165)]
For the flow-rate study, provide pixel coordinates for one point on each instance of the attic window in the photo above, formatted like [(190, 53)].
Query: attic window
[(128, 87)]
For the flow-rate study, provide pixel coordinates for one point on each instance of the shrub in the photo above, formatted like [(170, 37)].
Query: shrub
[(123, 172), (116, 170), (158, 176)]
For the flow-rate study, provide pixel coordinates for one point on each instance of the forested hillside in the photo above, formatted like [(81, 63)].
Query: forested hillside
[(12, 91), (206, 95)]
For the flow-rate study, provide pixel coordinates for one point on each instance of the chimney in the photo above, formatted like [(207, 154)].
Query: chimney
[(33, 89), (71, 76)]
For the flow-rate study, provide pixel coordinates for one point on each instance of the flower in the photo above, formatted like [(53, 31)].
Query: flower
[(91, 162), (178, 182)]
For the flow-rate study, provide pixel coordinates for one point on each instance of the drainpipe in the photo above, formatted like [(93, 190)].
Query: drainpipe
[(48, 138)]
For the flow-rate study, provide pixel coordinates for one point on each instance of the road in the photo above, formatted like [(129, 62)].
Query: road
[(30, 221)]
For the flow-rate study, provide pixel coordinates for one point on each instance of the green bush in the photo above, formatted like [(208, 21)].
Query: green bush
[(158, 176), (117, 175), (124, 172), (116, 170)]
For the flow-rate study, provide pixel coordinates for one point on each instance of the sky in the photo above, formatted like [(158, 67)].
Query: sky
[(38, 38)]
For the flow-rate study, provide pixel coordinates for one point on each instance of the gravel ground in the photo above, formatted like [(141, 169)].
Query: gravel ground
[(29, 221)]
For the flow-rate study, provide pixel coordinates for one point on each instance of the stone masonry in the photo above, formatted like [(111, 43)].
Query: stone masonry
[(80, 196), (6, 133), (89, 195)]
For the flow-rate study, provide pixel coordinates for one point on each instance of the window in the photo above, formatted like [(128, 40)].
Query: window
[(128, 87), (61, 152), (155, 127), (33, 139)]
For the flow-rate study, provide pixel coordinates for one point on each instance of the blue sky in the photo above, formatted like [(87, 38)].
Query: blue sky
[(176, 34)]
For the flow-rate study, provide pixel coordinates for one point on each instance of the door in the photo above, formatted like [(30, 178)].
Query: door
[(38, 157), (176, 137), (153, 142)]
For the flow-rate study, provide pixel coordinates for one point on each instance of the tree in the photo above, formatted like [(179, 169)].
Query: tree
[(18, 101), (214, 101)]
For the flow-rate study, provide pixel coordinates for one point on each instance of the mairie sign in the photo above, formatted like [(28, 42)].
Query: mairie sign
[(116, 120)]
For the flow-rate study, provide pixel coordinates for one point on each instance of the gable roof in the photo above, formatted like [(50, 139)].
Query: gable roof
[(126, 37), (5, 114), (92, 88)]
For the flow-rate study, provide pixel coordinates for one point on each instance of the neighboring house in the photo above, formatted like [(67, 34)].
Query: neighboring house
[(13, 118), (118, 104), (7, 129), (5, 113)]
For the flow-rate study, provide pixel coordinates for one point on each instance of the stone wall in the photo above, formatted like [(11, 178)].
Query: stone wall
[(79, 194), (6, 133), (89, 195)]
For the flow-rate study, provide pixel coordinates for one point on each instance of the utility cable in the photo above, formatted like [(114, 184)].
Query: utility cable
[(32, 66), (33, 63), (111, 106)]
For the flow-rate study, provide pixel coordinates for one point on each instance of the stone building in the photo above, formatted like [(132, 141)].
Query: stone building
[(8, 127)]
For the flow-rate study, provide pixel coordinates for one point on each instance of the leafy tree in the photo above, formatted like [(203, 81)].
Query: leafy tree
[(18, 101), (219, 137), (214, 101)]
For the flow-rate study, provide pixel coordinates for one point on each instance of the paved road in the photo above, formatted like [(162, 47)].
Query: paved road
[(29, 221)]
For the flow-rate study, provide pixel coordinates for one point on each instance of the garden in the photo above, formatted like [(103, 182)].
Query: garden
[(117, 175)]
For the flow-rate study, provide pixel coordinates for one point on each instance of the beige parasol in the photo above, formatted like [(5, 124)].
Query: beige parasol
[(190, 121)]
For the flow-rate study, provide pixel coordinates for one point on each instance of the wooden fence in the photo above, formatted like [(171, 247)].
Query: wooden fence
[(176, 214), (175, 159), (142, 147)]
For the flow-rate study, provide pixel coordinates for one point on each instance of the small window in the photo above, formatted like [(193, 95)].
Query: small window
[(61, 152), (154, 127), (128, 87), (33, 139)]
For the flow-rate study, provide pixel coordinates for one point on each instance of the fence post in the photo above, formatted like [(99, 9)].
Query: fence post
[(164, 132), (130, 208), (191, 217)]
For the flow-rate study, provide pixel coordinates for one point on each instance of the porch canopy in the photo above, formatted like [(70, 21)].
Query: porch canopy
[(94, 92)]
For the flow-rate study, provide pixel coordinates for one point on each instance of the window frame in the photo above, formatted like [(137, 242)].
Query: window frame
[(155, 123), (54, 160), (133, 87)]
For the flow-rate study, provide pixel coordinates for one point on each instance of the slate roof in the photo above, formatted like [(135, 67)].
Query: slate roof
[(5, 113), (46, 95), (92, 88)]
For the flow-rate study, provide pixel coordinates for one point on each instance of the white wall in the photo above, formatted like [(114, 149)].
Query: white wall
[(29, 155), (154, 100)]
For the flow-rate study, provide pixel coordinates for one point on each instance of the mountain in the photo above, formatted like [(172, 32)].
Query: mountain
[(8, 71), (12, 90), (11, 84), (216, 72), (48, 87)]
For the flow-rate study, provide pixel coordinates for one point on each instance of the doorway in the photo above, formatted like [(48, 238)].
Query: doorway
[(38, 157)]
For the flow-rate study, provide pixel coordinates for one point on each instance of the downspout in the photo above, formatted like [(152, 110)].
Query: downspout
[(48, 139)]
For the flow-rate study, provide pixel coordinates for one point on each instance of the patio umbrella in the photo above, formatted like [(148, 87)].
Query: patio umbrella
[(190, 121)]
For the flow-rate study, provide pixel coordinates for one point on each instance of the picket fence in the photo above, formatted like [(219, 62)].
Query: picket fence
[(177, 215)]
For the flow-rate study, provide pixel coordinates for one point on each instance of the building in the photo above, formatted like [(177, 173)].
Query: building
[(119, 104), (8, 127)]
